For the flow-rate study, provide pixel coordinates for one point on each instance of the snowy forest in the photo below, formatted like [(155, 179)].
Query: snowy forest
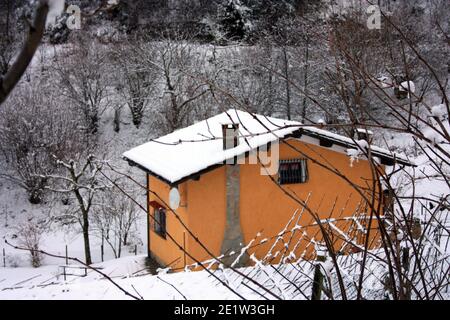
[(82, 82)]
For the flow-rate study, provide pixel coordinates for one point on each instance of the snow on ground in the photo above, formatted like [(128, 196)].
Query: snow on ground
[(15, 210), (19, 281), (130, 272), (48, 283)]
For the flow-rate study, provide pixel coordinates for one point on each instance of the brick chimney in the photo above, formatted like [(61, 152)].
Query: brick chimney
[(230, 134)]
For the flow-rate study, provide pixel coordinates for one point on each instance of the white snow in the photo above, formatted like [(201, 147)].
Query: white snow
[(362, 144), (129, 273), (56, 7), (365, 131), (354, 156), (48, 283), (192, 149), (385, 82), (195, 148), (439, 110), (408, 86)]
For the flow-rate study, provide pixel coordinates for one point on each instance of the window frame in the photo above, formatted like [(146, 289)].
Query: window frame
[(299, 176), (160, 222)]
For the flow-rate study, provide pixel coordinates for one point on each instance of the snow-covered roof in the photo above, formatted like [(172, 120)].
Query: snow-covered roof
[(196, 148)]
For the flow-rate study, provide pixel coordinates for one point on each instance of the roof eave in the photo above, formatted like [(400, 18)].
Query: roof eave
[(324, 140), (193, 176), (137, 165), (386, 159)]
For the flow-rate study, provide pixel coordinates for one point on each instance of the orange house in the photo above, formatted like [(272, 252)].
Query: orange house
[(216, 185)]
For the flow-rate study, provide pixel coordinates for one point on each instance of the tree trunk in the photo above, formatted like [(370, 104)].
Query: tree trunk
[(87, 247), (116, 120), (85, 222), (125, 239), (306, 70), (288, 85)]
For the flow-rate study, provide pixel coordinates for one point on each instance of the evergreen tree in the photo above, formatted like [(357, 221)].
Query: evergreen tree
[(234, 20)]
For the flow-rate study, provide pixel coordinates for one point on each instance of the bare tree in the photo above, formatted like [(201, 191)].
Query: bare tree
[(8, 19), (82, 182), (36, 31), (137, 79), (115, 219), (29, 236), (398, 243), (240, 71), (83, 81), (177, 63), (34, 129)]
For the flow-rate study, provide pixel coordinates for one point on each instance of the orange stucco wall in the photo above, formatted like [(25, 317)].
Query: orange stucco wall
[(166, 250), (264, 208), (202, 210), (206, 205)]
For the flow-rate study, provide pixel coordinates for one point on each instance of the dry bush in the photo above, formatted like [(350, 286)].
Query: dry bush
[(29, 237)]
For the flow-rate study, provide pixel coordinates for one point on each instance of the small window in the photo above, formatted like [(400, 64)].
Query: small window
[(293, 171), (160, 222)]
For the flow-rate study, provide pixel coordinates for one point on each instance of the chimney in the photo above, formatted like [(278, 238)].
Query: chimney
[(230, 134)]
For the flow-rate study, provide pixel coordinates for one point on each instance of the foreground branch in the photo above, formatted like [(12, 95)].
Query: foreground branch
[(36, 32)]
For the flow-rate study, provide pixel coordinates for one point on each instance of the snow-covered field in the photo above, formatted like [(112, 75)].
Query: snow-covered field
[(48, 283)]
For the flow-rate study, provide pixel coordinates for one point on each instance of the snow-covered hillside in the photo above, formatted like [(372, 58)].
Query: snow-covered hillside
[(139, 70)]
